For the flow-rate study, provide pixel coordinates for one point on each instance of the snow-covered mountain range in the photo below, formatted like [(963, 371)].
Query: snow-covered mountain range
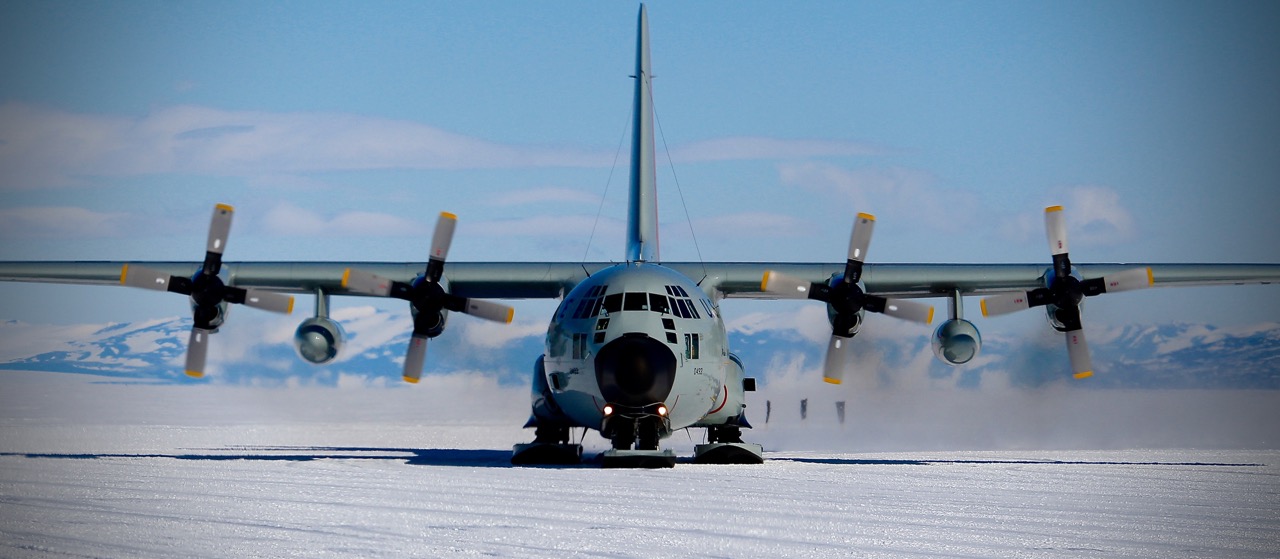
[(773, 346)]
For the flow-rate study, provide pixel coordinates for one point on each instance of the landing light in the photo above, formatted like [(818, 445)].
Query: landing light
[(608, 410), (662, 410)]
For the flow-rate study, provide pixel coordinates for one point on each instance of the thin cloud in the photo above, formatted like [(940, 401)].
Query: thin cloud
[(746, 224), (44, 147), (553, 195), (905, 193), (575, 227), (758, 147), (1095, 217), (288, 220), (62, 222)]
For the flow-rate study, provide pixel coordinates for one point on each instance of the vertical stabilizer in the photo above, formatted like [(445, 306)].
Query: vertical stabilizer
[(642, 218)]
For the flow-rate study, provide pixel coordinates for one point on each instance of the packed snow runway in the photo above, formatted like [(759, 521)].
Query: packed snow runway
[(205, 472)]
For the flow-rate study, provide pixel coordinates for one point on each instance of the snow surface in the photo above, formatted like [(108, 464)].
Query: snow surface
[(106, 469)]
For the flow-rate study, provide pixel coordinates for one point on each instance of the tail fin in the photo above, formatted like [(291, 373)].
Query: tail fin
[(642, 218)]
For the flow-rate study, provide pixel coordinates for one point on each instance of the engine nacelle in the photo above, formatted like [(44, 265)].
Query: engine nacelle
[(1051, 310), (956, 341), (438, 328), (831, 311), (219, 314), (437, 324), (318, 339)]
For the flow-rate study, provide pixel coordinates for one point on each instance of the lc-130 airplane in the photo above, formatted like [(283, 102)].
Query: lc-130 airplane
[(637, 350)]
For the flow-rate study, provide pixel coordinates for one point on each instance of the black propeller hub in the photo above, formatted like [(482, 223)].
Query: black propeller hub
[(207, 290)]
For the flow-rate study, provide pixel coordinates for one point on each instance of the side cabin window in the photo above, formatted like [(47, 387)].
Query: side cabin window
[(690, 346), (579, 346)]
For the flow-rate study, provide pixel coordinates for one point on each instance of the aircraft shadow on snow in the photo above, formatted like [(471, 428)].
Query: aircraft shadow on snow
[(1028, 462), (485, 458), (411, 456)]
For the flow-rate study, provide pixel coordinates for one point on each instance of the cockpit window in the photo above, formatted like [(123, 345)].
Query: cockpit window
[(636, 302), (675, 303), (658, 303), (613, 303)]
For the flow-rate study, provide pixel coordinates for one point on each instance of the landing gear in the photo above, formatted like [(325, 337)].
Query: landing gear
[(643, 429), (725, 446), (550, 447)]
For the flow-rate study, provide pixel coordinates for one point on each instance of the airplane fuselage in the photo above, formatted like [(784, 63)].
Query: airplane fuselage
[(639, 338)]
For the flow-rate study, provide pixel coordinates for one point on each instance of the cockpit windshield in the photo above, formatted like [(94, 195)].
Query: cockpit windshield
[(676, 302)]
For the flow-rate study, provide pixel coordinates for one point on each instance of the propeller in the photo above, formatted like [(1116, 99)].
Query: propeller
[(207, 291), (1065, 292), (427, 297), (846, 299)]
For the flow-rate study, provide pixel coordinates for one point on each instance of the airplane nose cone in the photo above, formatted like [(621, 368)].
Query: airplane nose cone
[(635, 370)]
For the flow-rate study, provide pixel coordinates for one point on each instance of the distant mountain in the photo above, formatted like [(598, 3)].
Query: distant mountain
[(261, 352)]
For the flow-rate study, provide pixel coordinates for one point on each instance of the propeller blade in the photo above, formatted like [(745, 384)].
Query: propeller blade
[(1137, 278), (1055, 226), (837, 360), (197, 351), (144, 278), (269, 301), (1005, 303), (1078, 351), (414, 358), (782, 285), (909, 310), (860, 238), (488, 310), (440, 241), (219, 228), (365, 282)]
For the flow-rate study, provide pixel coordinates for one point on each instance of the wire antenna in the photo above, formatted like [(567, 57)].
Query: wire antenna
[(600, 210), (671, 163)]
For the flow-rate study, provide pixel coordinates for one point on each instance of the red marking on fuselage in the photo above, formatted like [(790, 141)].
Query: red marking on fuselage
[(722, 401)]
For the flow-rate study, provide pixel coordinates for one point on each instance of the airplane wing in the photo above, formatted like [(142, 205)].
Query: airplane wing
[(550, 280), (743, 280)]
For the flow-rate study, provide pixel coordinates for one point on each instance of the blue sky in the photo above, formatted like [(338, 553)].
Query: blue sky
[(339, 131)]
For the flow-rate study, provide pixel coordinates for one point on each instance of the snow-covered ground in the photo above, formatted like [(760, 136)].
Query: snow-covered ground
[(89, 469)]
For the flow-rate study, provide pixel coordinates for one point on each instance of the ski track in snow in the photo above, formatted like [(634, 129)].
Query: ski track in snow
[(208, 477)]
